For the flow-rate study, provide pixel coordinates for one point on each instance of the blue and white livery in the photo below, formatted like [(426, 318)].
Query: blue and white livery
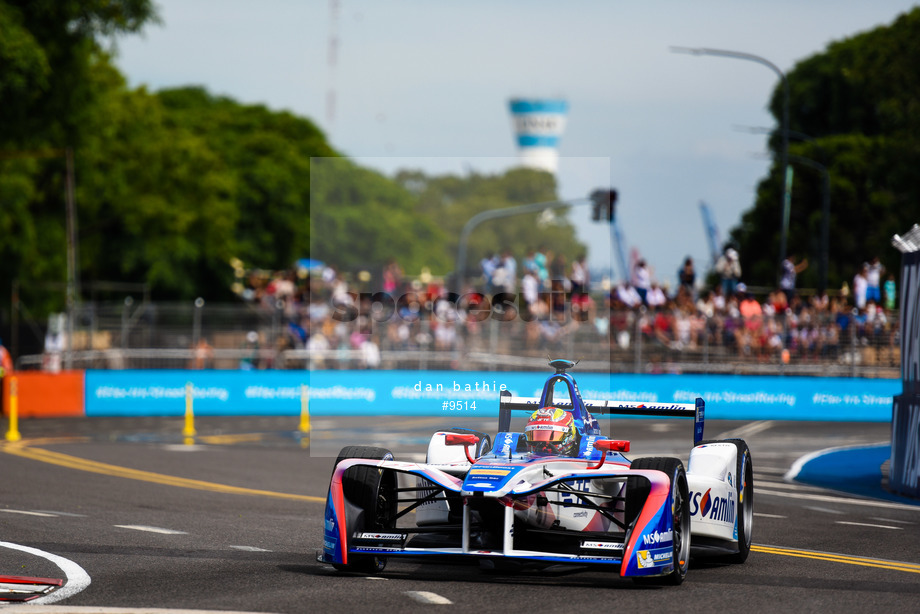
[(489, 499)]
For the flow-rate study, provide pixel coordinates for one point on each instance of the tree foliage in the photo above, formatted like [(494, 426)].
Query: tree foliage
[(48, 94), (172, 186), (453, 200), (859, 104)]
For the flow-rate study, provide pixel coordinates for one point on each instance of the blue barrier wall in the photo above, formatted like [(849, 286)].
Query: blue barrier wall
[(162, 393)]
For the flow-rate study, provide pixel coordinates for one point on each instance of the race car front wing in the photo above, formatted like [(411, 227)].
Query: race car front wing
[(483, 524)]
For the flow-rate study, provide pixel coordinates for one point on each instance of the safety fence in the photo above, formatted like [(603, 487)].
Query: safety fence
[(169, 392), (253, 336)]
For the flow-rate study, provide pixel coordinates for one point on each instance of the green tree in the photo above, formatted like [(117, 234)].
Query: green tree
[(268, 154), (48, 52), (859, 101), (360, 219), (156, 202), (452, 200)]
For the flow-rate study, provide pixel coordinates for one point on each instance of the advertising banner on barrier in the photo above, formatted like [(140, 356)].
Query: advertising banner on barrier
[(434, 393), (46, 395), (904, 471)]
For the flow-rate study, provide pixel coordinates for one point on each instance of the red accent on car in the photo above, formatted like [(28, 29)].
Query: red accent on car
[(462, 439)]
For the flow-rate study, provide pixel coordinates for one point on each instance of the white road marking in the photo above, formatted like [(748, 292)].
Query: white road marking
[(46, 515), (376, 578), (866, 524), (138, 527), (249, 549), (182, 447), (890, 520), (747, 430), (768, 515), (787, 486), (57, 513), (77, 578), (429, 598), (770, 470), (863, 502), (822, 509)]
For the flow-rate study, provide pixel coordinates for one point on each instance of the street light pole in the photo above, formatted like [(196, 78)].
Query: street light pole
[(492, 214), (786, 192)]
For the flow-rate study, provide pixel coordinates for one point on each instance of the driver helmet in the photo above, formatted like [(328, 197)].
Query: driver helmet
[(551, 430)]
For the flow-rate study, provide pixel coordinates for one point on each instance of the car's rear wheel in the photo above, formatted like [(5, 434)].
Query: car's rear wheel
[(680, 514), (744, 483), (374, 492)]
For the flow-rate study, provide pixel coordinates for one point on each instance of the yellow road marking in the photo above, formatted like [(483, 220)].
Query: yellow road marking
[(839, 558), (73, 462), (231, 439)]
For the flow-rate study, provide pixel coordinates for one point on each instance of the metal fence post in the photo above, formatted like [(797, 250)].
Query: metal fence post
[(196, 322), (124, 321)]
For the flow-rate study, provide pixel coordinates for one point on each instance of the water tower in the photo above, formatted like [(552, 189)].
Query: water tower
[(538, 125)]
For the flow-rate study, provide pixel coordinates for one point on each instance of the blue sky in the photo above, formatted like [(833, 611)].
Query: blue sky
[(426, 83)]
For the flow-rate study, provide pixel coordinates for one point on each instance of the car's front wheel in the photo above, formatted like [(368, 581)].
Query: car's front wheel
[(680, 514), (374, 491)]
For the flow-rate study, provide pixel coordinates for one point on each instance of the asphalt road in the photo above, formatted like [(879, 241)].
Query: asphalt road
[(234, 520)]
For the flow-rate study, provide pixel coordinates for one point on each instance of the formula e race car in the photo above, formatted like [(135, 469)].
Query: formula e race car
[(520, 501)]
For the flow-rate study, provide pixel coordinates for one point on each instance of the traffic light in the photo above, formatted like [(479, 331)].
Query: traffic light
[(603, 205), (598, 206)]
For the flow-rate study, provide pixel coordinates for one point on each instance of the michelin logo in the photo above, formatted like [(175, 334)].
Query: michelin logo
[(644, 559), (653, 558)]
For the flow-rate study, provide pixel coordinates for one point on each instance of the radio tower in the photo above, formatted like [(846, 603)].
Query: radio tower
[(332, 58)]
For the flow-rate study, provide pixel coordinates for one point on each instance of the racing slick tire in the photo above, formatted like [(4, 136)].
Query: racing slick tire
[(744, 483), (680, 511), (374, 492)]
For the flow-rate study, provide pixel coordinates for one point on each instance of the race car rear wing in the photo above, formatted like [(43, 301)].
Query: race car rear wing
[(697, 410)]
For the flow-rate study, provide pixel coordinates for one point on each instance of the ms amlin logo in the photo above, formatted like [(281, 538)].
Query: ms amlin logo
[(712, 507), (452, 307)]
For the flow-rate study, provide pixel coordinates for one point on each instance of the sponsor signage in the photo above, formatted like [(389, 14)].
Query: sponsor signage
[(904, 471), (592, 545), (653, 539), (270, 392), (489, 477), (712, 507), (654, 558), (381, 536)]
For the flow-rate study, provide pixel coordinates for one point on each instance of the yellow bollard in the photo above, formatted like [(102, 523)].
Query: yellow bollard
[(304, 409), (13, 433), (189, 430)]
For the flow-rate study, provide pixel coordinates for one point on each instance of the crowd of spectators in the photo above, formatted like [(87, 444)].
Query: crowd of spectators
[(544, 301)]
